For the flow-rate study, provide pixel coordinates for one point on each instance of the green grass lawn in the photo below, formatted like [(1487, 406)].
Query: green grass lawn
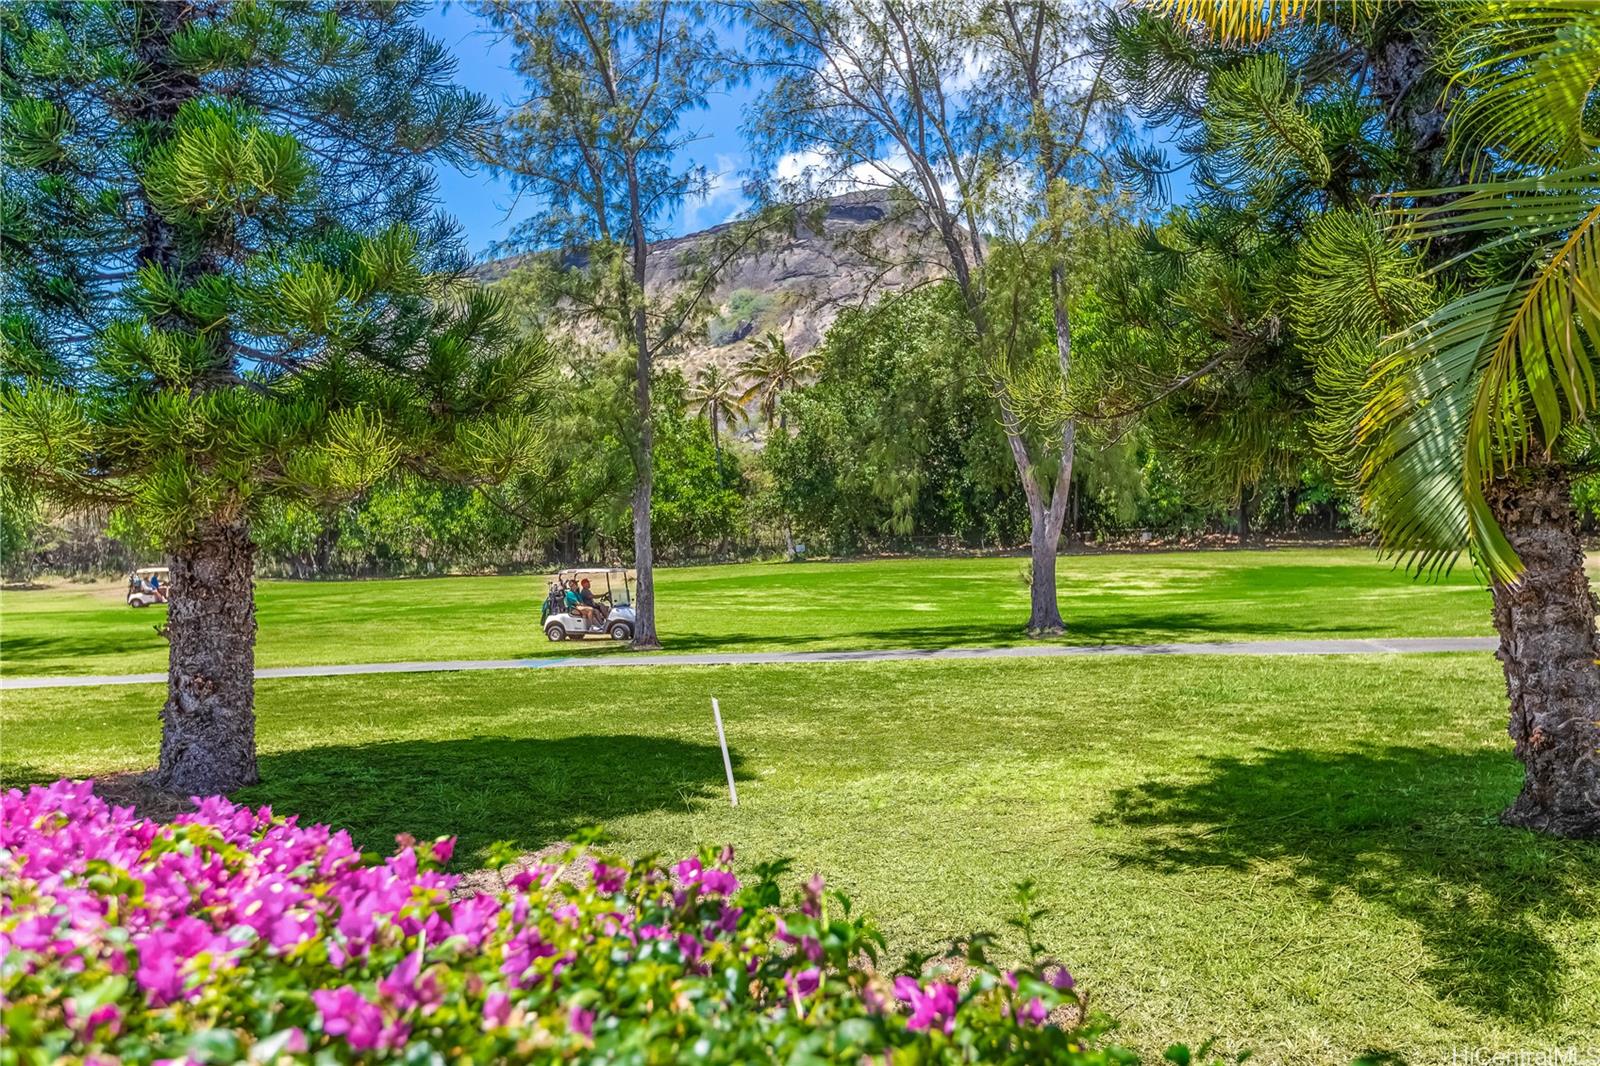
[(915, 603), (1300, 855)]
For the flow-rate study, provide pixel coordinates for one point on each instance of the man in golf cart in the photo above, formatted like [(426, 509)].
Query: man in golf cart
[(600, 607), (573, 603)]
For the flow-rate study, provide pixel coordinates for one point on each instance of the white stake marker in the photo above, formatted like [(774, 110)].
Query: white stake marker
[(727, 763)]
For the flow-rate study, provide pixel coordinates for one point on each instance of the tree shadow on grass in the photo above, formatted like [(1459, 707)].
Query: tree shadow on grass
[(1154, 627), (1410, 829), (485, 789), (34, 656)]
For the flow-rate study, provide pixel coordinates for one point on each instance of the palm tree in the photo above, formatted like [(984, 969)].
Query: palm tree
[(1479, 416), (712, 395), (771, 371)]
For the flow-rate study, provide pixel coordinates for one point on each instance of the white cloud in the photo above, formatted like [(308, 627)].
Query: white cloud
[(819, 172), (723, 200)]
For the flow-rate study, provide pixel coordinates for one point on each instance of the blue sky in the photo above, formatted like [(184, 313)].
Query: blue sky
[(486, 206)]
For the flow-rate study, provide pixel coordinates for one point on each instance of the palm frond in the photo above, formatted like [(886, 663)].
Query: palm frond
[(1415, 431), (1525, 99), (1545, 206), (1498, 372), (1251, 21), (1545, 354)]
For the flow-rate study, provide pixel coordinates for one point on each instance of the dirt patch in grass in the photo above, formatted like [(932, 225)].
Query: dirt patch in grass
[(138, 790)]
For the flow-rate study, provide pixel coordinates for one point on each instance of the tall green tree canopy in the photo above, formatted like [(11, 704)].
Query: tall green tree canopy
[(225, 285), (986, 119), (597, 141)]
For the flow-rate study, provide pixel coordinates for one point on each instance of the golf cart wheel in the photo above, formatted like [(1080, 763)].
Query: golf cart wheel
[(555, 632), (622, 631), (138, 603)]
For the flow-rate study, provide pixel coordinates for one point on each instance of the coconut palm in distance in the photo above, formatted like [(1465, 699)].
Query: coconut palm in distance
[(714, 394), (771, 371), (1479, 416)]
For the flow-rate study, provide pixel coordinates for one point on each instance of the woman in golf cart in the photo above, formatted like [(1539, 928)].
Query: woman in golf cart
[(579, 600)]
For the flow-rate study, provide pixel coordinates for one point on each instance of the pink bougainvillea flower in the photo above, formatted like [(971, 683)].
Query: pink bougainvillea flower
[(812, 904), (347, 1013), (805, 982), (496, 1009), (408, 988), (609, 879), (728, 920), (932, 1007), (112, 925), (163, 955), (108, 1016), (1033, 1012)]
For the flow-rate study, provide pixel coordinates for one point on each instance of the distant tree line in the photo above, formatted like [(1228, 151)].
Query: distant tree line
[(829, 479)]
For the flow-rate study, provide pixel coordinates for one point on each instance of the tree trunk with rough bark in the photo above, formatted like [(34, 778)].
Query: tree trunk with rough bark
[(644, 604), (1046, 516), (1548, 649), (1044, 613), (208, 726)]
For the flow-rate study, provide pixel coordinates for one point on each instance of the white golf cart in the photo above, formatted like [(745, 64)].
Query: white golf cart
[(613, 597), (148, 585)]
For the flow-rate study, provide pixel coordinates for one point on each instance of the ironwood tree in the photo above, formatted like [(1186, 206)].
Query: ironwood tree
[(225, 285), (598, 143), (996, 123)]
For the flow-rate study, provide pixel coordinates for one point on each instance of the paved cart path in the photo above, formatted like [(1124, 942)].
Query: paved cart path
[(1362, 646)]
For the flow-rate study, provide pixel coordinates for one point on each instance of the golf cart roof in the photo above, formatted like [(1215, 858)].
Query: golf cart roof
[(595, 571), (152, 570)]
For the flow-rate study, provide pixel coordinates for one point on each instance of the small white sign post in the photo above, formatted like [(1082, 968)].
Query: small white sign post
[(727, 763)]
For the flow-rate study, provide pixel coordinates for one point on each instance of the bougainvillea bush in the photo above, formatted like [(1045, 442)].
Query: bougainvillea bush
[(231, 934)]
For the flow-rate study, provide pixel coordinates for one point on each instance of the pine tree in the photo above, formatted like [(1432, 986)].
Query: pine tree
[(225, 285)]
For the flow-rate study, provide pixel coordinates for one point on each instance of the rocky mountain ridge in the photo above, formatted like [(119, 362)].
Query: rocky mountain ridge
[(848, 251)]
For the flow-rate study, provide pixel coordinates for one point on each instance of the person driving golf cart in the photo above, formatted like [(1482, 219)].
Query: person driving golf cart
[(600, 607)]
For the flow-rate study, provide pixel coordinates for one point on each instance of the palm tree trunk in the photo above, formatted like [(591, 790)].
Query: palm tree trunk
[(208, 726), (716, 440), (1548, 649)]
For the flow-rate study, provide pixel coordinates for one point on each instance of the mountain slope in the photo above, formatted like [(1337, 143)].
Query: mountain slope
[(849, 252)]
